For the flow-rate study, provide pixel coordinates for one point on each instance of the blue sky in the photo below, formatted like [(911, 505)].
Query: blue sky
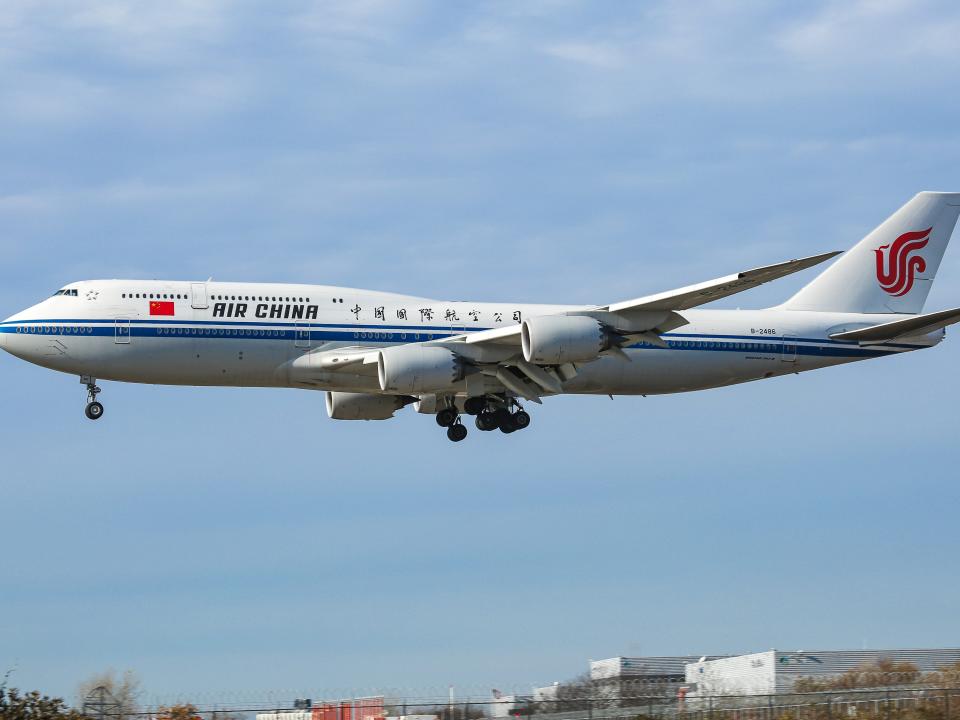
[(229, 543)]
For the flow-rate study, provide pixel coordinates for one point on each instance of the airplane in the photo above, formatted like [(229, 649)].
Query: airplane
[(376, 352)]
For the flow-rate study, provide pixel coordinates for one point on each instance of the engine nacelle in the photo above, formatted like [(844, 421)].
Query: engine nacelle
[(558, 339), (417, 369), (362, 406)]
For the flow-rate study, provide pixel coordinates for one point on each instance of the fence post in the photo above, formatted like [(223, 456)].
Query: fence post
[(590, 706), (946, 704)]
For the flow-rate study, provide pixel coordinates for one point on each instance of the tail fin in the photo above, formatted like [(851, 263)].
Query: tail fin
[(892, 268)]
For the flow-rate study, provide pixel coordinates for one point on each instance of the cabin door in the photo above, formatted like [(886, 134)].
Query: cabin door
[(301, 335), (198, 296), (789, 353)]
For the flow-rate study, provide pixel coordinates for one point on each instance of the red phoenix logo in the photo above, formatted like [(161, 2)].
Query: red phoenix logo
[(897, 274)]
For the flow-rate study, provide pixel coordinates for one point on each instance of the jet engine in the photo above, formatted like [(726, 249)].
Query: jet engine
[(361, 406), (559, 339), (417, 369)]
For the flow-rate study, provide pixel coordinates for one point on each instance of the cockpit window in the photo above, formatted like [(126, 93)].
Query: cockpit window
[(71, 292)]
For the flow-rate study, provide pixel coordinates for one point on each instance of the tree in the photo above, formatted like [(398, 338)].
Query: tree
[(575, 694), (123, 692), (945, 677), (15, 705), (183, 711), (879, 673)]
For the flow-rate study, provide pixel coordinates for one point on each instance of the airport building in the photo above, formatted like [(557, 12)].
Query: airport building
[(654, 669), (777, 671), (624, 677), (504, 706), (367, 708)]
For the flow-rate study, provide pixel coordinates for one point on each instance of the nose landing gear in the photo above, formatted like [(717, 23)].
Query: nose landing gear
[(94, 409)]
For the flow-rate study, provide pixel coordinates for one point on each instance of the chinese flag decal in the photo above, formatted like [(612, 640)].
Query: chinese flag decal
[(161, 307)]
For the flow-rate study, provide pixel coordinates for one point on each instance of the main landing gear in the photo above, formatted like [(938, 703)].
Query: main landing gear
[(492, 413), (94, 409), (502, 419), (495, 413)]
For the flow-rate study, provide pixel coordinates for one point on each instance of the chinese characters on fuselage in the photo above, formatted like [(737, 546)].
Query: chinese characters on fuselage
[(295, 311)]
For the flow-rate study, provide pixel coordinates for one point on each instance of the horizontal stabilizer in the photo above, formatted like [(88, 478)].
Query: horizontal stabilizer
[(914, 325)]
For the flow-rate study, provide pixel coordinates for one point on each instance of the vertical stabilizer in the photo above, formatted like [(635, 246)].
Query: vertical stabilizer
[(892, 268)]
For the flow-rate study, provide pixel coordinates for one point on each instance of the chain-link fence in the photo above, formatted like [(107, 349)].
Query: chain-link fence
[(637, 701), (917, 703)]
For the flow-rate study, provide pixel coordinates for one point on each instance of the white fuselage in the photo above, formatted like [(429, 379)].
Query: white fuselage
[(251, 334)]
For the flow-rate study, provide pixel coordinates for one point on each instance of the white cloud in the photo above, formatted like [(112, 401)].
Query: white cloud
[(355, 21), (170, 32), (598, 55), (867, 32)]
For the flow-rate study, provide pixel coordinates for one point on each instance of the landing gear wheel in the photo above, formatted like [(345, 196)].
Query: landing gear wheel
[(521, 420), (474, 405), (446, 417), (505, 422), (457, 432), (486, 421), (94, 410)]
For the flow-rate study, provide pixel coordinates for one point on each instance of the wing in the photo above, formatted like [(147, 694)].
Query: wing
[(645, 317), (693, 295), (507, 336), (497, 352)]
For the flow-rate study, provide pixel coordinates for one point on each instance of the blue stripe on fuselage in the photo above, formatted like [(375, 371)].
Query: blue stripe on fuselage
[(330, 332)]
